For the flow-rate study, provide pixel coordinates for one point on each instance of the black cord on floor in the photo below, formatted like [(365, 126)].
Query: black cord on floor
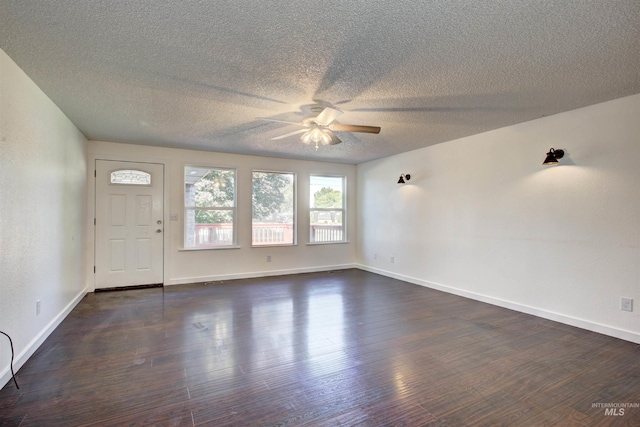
[(13, 375)]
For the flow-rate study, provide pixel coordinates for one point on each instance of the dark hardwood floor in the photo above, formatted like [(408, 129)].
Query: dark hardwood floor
[(325, 349)]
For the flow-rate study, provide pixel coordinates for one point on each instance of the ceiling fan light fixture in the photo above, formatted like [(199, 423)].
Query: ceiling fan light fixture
[(306, 137), (316, 135), (320, 129), (326, 138)]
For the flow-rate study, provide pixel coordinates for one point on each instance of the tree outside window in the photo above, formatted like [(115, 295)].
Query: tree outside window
[(210, 205), (327, 209), (273, 208)]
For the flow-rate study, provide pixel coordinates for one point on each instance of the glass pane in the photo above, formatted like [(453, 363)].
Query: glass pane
[(273, 208), (326, 226), (326, 191), (130, 177), (209, 187), (208, 228)]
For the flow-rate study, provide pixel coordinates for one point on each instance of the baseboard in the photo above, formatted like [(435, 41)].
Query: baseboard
[(21, 358), (255, 274), (545, 314)]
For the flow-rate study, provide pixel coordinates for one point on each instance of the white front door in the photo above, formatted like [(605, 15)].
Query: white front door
[(129, 224)]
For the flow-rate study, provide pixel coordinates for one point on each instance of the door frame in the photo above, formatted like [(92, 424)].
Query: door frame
[(90, 253)]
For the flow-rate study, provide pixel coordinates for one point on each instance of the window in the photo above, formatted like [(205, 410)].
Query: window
[(273, 209), (130, 177), (327, 208), (210, 207)]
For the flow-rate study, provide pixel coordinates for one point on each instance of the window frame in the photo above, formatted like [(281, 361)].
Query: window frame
[(294, 211), (233, 209), (343, 210)]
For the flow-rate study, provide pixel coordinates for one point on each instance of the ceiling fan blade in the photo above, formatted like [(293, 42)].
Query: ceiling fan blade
[(279, 121), (326, 116), (286, 135), (334, 139), (354, 128)]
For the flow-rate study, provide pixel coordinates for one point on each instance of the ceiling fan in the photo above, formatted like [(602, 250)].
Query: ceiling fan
[(319, 129)]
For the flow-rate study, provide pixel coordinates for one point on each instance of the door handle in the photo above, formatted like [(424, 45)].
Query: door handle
[(158, 231)]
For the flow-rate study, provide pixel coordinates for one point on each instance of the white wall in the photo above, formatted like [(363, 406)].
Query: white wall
[(42, 212), (481, 217), (188, 266)]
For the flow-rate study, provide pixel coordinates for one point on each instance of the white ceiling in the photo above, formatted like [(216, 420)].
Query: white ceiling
[(196, 74)]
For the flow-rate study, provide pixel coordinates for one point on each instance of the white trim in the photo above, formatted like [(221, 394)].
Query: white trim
[(256, 274), (233, 208), (623, 334), (153, 187), (336, 242), (36, 342), (209, 248), (344, 209), (278, 245), (295, 209), (92, 157)]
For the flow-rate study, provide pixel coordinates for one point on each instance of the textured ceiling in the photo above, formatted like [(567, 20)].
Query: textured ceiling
[(196, 74)]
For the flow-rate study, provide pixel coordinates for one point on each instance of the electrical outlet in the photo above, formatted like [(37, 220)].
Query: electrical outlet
[(37, 307), (268, 258), (626, 304), (393, 259), (173, 217)]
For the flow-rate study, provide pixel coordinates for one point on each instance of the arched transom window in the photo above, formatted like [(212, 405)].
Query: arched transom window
[(130, 177)]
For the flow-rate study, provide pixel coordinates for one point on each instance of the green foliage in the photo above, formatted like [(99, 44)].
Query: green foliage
[(272, 197), (213, 217), (215, 189), (327, 198)]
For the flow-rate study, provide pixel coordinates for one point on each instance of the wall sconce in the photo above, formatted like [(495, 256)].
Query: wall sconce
[(404, 176), (553, 156)]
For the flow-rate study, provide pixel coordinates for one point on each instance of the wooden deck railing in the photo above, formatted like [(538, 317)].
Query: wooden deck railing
[(214, 235), (211, 235), (272, 234), (326, 233)]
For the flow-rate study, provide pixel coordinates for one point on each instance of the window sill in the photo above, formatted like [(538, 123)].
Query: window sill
[(342, 242), (284, 245), (214, 248)]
